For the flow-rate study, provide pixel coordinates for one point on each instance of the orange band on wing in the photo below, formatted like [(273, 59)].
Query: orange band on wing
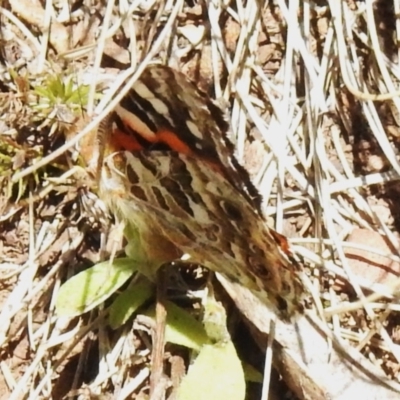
[(128, 142), (173, 141), (176, 144), (125, 141), (281, 240)]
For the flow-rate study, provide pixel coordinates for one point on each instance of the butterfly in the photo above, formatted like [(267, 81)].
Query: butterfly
[(168, 169)]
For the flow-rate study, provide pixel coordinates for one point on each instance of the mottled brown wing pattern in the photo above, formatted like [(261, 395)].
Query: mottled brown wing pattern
[(164, 101), (169, 169)]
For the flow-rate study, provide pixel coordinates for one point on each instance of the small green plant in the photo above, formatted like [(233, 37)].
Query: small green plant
[(59, 99), (216, 371)]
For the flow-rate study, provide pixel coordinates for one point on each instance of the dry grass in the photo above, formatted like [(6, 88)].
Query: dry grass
[(313, 96)]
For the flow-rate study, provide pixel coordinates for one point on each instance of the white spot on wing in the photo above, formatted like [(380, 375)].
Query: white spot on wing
[(143, 91), (200, 213), (194, 129), (160, 107), (136, 123)]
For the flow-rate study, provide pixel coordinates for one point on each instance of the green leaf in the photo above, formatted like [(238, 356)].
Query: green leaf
[(41, 91), (216, 373), (182, 328), (68, 88), (79, 96), (88, 289), (128, 302), (56, 86), (214, 320), (251, 374)]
